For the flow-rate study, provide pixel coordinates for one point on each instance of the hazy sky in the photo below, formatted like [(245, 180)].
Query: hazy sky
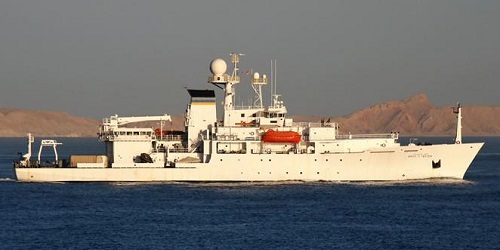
[(97, 58)]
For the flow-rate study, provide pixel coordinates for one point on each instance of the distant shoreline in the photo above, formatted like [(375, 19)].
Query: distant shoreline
[(415, 116)]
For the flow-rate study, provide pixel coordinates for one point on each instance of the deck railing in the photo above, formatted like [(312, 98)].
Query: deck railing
[(169, 137), (314, 124), (368, 136)]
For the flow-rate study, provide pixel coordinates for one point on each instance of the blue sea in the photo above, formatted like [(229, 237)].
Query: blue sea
[(438, 214)]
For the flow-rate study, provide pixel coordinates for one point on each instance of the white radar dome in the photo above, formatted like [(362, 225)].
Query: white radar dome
[(256, 75), (218, 67)]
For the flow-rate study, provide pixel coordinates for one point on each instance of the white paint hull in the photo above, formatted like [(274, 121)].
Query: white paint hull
[(396, 163), (258, 144)]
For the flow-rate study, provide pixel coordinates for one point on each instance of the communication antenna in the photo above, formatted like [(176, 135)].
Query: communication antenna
[(273, 79), (235, 59), (274, 96), (458, 111), (257, 83), (275, 75)]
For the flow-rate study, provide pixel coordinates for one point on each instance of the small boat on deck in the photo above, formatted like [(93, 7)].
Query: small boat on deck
[(273, 136)]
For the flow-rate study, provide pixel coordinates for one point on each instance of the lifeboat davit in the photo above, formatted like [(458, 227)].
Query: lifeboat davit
[(281, 136)]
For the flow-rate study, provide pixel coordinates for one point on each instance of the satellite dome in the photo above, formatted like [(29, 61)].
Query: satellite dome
[(218, 67), (256, 75)]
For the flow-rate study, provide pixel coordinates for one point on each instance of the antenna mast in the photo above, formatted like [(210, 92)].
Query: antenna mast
[(272, 80), (257, 83), (275, 75), (218, 68), (458, 110)]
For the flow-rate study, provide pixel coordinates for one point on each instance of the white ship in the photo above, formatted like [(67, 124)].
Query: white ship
[(252, 143)]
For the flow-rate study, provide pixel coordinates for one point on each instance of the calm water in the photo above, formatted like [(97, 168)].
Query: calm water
[(442, 214)]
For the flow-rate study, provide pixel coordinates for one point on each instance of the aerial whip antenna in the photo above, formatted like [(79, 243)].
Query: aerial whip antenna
[(458, 110)]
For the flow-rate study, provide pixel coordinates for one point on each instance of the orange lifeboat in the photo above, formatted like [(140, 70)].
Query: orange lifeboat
[(281, 136), (159, 132)]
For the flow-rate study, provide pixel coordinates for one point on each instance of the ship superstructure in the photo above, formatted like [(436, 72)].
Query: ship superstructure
[(251, 143)]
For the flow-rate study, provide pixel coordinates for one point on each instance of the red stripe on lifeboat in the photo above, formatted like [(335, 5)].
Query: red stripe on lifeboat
[(281, 136)]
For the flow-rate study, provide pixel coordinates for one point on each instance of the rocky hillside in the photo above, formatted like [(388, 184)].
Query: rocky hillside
[(17, 122), (418, 116), (413, 116)]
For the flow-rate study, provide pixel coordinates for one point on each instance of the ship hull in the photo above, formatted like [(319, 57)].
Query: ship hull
[(387, 164)]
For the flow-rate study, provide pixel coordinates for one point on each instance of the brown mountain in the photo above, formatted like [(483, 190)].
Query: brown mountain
[(18, 122), (418, 116), (413, 116)]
